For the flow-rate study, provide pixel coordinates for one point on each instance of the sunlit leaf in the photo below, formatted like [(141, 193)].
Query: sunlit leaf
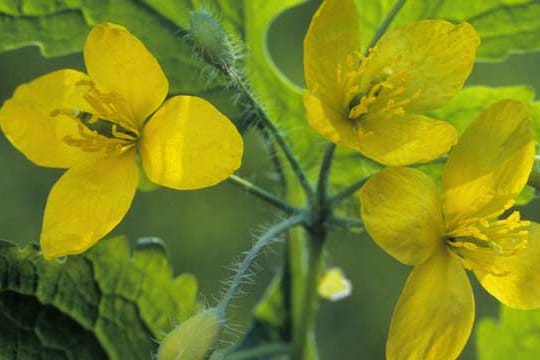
[(526, 195), (505, 26), (61, 27), (471, 101), (106, 303), (513, 336)]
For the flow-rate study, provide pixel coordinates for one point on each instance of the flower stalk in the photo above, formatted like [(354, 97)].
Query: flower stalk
[(244, 266), (263, 195)]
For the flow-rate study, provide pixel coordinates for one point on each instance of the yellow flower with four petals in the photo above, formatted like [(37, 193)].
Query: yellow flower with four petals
[(373, 104), (405, 214), (96, 125)]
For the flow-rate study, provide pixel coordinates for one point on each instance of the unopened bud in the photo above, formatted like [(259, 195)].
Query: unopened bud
[(210, 38), (193, 339)]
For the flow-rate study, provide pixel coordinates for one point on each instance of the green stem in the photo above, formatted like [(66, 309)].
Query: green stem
[(244, 266), (274, 157), (348, 191), (263, 194), (345, 222), (282, 143), (382, 29), (310, 301), (324, 174)]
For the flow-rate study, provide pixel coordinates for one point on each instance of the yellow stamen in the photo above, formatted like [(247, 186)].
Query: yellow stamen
[(109, 106), (479, 241), (385, 92), (108, 129)]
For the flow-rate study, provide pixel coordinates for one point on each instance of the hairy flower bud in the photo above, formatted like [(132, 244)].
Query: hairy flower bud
[(193, 339), (210, 38)]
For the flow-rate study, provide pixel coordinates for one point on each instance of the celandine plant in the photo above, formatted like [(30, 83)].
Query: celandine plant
[(436, 189)]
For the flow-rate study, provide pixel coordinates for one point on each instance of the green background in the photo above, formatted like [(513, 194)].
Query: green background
[(205, 230)]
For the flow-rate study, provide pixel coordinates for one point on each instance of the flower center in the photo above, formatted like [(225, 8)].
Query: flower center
[(385, 92), (479, 242), (108, 128)]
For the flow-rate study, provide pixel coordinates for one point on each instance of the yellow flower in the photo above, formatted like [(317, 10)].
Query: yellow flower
[(96, 125), (373, 104), (405, 214)]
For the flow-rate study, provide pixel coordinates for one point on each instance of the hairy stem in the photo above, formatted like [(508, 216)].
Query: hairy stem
[(263, 194), (244, 266), (276, 161), (240, 84), (306, 321), (324, 174), (347, 192), (346, 223)]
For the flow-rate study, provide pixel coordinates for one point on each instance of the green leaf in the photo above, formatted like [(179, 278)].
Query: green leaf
[(106, 303), (526, 195), (513, 336), (471, 101), (61, 27), (57, 34), (282, 99), (505, 26)]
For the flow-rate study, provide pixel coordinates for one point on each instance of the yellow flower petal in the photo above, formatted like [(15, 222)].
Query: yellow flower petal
[(490, 165), (87, 203), (435, 312), (118, 62), (333, 35), (401, 210), (518, 287), (27, 122), (398, 141), (433, 57), (189, 144), (330, 123)]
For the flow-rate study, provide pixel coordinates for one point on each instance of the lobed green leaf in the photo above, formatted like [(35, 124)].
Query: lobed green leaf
[(106, 303)]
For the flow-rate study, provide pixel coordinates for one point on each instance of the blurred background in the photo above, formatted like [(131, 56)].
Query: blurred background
[(205, 230)]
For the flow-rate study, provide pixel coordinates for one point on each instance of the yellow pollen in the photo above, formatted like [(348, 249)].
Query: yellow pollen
[(385, 92), (479, 241)]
